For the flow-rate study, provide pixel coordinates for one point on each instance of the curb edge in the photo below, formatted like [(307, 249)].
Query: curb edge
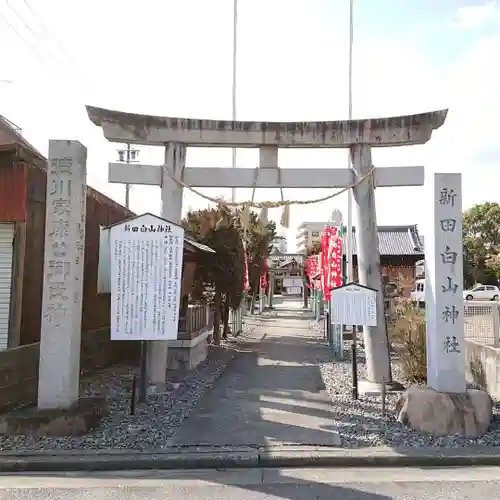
[(232, 460)]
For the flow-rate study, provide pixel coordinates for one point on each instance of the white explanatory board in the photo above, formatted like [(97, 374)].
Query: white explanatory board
[(354, 305), (146, 273), (292, 282)]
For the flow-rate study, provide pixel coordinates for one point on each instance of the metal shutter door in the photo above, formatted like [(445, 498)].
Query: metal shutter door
[(6, 251)]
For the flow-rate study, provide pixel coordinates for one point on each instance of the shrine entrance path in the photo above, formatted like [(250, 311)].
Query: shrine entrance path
[(272, 394)]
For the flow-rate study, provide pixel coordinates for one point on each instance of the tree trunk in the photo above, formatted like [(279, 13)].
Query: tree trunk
[(217, 309), (254, 296), (225, 319)]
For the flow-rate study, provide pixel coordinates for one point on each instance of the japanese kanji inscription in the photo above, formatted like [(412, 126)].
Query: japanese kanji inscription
[(444, 286)]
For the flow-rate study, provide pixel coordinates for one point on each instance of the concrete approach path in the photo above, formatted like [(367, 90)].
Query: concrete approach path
[(272, 393)]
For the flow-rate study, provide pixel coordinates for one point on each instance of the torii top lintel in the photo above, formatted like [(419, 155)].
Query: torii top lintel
[(158, 130)]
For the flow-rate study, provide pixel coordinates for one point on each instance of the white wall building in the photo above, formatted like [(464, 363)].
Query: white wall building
[(308, 233), (279, 244)]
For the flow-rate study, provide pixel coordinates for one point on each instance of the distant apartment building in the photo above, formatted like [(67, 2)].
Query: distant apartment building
[(279, 245), (308, 233)]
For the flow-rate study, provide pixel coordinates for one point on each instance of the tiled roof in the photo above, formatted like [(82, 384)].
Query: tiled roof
[(10, 136), (396, 240), (14, 136), (282, 259)]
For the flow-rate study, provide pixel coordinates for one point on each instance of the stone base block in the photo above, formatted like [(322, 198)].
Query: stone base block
[(367, 388), (443, 414), (76, 421), (162, 389), (188, 356)]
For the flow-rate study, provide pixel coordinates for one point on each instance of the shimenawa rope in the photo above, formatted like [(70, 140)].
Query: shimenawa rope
[(269, 204)]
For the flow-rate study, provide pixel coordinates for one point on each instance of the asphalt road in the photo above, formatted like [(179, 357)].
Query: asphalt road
[(258, 484)]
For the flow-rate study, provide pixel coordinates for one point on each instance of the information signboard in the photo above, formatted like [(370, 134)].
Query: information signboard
[(354, 305), (146, 274)]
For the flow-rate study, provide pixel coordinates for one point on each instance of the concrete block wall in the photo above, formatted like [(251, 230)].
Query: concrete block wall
[(483, 366), (19, 366), (191, 347)]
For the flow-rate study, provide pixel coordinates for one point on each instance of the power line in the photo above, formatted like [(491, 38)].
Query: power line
[(48, 33), (32, 47), (46, 30), (47, 57), (35, 35), (28, 27)]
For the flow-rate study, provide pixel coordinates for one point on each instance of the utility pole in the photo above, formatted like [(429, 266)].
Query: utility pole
[(128, 155), (349, 235), (235, 52)]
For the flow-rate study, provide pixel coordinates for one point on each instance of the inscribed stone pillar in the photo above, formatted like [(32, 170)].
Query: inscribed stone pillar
[(368, 257), (171, 209), (59, 370), (444, 303)]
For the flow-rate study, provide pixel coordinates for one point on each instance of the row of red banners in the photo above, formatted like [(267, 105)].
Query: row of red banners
[(328, 264)]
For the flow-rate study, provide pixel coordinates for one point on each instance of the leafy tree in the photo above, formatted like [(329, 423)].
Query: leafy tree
[(493, 265), (259, 239), (314, 248), (219, 278), (481, 232)]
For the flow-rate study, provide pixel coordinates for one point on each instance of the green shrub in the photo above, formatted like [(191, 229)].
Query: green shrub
[(408, 339)]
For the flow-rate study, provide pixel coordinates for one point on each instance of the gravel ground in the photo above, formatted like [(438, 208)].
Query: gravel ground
[(152, 424), (361, 422)]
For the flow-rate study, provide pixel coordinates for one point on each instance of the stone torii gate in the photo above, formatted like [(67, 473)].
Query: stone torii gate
[(176, 134)]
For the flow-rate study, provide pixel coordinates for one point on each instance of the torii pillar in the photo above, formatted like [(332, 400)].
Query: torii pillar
[(357, 135)]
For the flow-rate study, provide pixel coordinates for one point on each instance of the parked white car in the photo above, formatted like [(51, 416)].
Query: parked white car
[(482, 292)]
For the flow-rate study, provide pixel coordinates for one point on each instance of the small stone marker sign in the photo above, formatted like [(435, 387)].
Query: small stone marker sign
[(444, 287), (354, 305), (146, 274)]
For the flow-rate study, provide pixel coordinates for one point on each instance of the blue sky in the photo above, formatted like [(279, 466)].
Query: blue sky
[(171, 57), (428, 24)]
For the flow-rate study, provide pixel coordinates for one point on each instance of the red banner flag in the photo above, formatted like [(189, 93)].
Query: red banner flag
[(246, 283), (331, 260), (335, 259), (263, 276), (313, 270), (325, 264)]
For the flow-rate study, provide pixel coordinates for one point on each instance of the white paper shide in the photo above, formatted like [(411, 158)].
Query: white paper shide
[(146, 274)]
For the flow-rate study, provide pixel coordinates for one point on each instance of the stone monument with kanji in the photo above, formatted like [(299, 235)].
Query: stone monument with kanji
[(446, 406)]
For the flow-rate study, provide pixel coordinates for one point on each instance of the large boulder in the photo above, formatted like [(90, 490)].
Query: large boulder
[(442, 414)]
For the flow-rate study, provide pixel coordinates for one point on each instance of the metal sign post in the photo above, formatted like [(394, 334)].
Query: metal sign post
[(354, 364), (143, 387)]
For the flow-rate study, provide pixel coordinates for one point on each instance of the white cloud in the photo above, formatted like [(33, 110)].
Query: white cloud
[(174, 58), (469, 139), (477, 16)]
